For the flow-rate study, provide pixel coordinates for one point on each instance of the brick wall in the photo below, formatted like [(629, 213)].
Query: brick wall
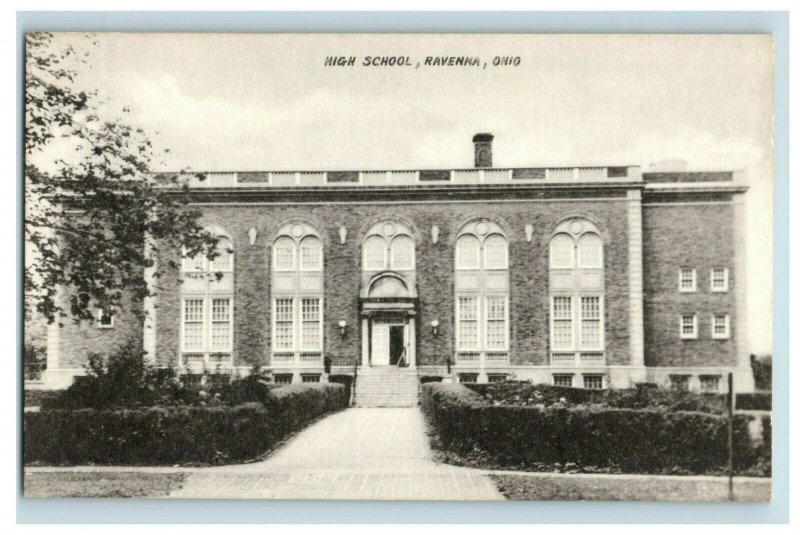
[(676, 236), (529, 305)]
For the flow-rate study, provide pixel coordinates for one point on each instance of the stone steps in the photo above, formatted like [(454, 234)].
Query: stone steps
[(386, 387)]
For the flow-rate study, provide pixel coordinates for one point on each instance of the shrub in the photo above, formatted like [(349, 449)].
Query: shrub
[(343, 379), (254, 387), (755, 401), (762, 371), (177, 434), (34, 361), (627, 440), (641, 397)]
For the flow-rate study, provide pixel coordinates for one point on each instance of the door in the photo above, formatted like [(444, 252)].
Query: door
[(380, 344), (397, 343)]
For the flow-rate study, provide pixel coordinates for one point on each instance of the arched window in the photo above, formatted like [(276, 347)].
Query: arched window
[(207, 308), (389, 245), (297, 297), (482, 302), (576, 294)]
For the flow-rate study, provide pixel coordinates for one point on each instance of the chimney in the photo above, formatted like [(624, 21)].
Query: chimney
[(483, 149)]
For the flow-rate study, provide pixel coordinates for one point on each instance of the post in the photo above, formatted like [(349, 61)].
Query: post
[(731, 402)]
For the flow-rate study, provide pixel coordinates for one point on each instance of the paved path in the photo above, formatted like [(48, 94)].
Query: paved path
[(364, 453)]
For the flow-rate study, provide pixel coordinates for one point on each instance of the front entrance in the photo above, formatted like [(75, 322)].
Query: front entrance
[(389, 343)]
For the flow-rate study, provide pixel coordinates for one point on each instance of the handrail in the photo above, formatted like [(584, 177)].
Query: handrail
[(355, 376), (401, 362)]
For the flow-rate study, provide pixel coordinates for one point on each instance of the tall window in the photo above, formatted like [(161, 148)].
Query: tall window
[(576, 293), (482, 315), (297, 299), (207, 308), (389, 245)]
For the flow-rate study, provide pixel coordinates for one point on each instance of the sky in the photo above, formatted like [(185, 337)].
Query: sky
[(267, 102)]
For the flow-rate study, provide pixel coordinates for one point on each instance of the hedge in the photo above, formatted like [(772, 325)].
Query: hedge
[(627, 440), (176, 434), (754, 401), (343, 379)]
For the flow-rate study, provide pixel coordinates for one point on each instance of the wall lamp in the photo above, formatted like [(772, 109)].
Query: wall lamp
[(342, 327), (435, 327)]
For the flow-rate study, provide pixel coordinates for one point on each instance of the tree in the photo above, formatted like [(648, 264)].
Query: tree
[(97, 219)]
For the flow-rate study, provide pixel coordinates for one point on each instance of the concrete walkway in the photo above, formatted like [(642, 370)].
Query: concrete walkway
[(356, 454)]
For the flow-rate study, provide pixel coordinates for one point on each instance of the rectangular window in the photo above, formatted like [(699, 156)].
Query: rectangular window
[(194, 263), (709, 383), (105, 318), (284, 325), (590, 323), (311, 324), (467, 377), (496, 377), (221, 324), (308, 378), (467, 322), (593, 381), (688, 326), (193, 316), (496, 323), (562, 379), (720, 326), (562, 322), (679, 383), (687, 280), (719, 280), (310, 255), (283, 378), (284, 254)]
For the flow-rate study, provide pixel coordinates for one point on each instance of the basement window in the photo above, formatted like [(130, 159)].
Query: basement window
[(310, 378), (467, 377), (562, 379), (283, 378)]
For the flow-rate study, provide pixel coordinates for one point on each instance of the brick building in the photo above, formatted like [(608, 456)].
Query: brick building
[(592, 277)]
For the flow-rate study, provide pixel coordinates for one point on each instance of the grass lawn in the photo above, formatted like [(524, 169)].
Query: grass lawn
[(100, 484), (544, 487)]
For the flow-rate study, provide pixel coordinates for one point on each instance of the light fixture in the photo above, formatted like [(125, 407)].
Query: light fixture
[(435, 234), (342, 327), (252, 234), (529, 232), (435, 327), (342, 235)]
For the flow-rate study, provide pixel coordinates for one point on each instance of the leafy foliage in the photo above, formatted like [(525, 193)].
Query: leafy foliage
[(96, 217), (35, 361)]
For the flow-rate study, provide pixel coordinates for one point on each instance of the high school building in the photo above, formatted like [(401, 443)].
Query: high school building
[(595, 277)]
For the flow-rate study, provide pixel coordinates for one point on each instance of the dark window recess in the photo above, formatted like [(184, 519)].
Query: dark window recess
[(616, 172), (432, 176), (310, 378), (496, 377), (468, 377), (342, 176), (528, 174), (679, 382), (283, 378)]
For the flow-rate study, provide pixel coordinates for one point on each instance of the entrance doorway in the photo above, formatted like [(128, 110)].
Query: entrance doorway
[(389, 343)]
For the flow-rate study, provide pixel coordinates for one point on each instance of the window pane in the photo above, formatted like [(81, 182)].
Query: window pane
[(402, 253), (562, 322), (195, 263), (193, 324), (374, 253), (283, 255), (495, 323), (719, 279), (562, 379), (561, 249), (224, 260), (590, 251), (687, 279), (311, 326), (687, 324), (496, 252), (467, 251), (311, 253), (284, 325), (467, 322), (220, 324)]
